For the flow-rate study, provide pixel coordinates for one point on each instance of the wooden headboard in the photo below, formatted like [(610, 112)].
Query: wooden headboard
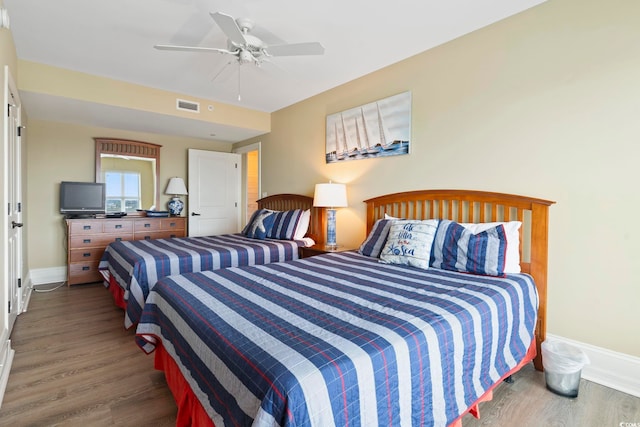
[(480, 206), (285, 202)]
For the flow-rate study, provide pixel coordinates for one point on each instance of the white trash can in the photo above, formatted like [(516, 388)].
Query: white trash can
[(563, 365)]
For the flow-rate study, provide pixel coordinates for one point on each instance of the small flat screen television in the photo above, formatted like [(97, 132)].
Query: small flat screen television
[(82, 199)]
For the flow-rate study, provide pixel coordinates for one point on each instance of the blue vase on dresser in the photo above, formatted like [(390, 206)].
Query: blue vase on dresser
[(175, 206)]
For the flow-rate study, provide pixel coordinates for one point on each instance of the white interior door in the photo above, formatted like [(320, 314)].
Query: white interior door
[(214, 193), (14, 234), (10, 232)]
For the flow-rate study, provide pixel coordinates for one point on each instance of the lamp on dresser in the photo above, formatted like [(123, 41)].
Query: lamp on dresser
[(176, 188), (330, 195)]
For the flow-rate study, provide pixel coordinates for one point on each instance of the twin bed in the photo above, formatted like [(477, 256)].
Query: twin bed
[(132, 268), (344, 339)]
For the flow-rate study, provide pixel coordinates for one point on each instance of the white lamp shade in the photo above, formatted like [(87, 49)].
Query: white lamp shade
[(330, 195), (176, 186)]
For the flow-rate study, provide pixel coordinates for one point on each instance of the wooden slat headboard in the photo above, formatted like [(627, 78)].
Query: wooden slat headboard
[(480, 206), (285, 202)]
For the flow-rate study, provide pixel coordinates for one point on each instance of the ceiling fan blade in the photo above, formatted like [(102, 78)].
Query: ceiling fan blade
[(192, 48), (229, 27), (295, 49)]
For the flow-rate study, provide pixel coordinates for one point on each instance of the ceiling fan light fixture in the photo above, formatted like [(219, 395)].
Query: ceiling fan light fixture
[(246, 56)]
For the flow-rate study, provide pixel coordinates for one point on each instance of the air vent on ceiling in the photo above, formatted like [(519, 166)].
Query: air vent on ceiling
[(184, 105)]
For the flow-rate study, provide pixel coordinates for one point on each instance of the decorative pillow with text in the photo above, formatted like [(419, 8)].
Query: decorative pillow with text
[(409, 243)]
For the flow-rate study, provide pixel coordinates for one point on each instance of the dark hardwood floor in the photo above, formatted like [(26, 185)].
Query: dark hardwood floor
[(75, 365)]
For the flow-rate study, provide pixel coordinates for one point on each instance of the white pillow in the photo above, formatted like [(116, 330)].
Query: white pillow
[(409, 243), (387, 216), (511, 228), (303, 225)]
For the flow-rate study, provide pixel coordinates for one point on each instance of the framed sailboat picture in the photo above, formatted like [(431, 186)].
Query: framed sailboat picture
[(378, 129)]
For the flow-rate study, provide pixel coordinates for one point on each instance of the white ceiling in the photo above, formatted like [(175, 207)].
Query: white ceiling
[(115, 39)]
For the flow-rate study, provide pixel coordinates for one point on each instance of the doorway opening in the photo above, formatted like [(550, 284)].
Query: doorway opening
[(251, 179)]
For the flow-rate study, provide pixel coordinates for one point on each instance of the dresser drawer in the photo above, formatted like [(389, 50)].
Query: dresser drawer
[(168, 234), (96, 240), (85, 255), (85, 226), (116, 226), (172, 224), (144, 225), (148, 235), (84, 272)]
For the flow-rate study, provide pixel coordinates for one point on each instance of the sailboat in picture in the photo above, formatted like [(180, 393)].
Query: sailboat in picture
[(368, 148), (347, 146), (340, 154), (386, 141)]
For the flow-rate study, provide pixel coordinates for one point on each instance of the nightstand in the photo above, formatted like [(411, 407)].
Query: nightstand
[(309, 251)]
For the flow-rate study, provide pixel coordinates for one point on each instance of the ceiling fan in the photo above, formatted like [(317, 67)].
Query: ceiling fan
[(246, 47)]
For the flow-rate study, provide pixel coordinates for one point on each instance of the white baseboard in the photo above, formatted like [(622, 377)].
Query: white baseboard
[(618, 371), (44, 276), (6, 359), (26, 293)]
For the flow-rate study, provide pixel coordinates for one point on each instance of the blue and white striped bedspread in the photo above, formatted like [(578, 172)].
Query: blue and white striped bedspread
[(339, 340), (138, 264)]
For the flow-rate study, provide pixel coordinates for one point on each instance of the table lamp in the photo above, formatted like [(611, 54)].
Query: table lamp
[(330, 196), (176, 188)]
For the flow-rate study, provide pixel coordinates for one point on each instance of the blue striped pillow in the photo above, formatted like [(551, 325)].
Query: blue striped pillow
[(284, 224), (458, 249), (372, 246)]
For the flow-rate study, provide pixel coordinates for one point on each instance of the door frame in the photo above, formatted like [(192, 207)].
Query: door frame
[(256, 146)]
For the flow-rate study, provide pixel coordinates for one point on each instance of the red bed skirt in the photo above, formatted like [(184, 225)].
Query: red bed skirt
[(115, 290), (191, 412)]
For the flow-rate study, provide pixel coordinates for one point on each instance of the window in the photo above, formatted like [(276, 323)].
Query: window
[(123, 191)]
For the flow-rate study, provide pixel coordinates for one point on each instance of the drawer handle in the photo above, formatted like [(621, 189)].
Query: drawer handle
[(118, 239), (147, 237), (173, 235), (86, 227), (86, 241), (173, 224), (85, 268), (86, 254), (147, 225), (118, 225)]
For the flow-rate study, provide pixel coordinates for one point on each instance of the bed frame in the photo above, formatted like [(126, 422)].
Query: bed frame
[(480, 206), (285, 202)]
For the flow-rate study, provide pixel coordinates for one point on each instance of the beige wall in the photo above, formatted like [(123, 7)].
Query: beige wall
[(62, 152), (543, 104)]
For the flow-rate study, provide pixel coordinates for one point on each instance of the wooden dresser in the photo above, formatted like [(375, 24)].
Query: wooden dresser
[(88, 238)]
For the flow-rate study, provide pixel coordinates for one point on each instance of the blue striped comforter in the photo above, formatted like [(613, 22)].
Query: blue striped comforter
[(138, 264), (339, 340)]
